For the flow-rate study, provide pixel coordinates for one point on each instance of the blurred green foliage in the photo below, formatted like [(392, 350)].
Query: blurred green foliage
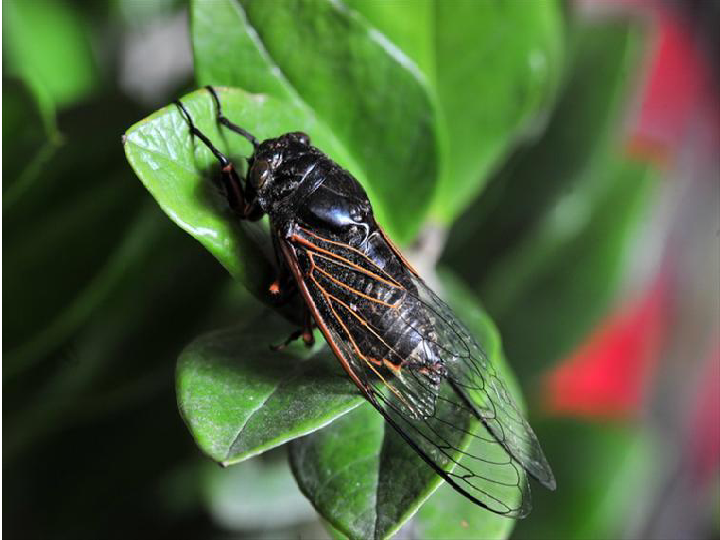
[(561, 246), (428, 106)]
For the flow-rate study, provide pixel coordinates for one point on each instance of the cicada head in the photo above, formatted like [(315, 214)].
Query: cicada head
[(271, 176)]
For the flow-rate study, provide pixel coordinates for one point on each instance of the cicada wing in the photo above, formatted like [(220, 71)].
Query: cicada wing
[(477, 382), (419, 366), (436, 422)]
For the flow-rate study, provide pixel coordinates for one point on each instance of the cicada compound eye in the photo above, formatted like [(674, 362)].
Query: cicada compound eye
[(259, 174), (302, 138)]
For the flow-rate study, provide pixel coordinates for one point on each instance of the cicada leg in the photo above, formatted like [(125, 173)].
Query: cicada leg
[(284, 289), (230, 179)]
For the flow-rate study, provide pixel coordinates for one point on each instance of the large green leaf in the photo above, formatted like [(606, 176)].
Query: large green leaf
[(67, 302), (239, 398), (562, 211), (78, 208), (321, 57), (583, 125), (497, 66), (494, 68), (179, 170), (47, 44), (367, 481), (98, 360), (408, 24)]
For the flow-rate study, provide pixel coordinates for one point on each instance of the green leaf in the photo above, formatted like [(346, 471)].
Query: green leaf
[(57, 302), (101, 360), (604, 470), (47, 44), (568, 197), (32, 138), (77, 208), (239, 398), (450, 516), (583, 125), (68, 308), (237, 498), (324, 58), (407, 23), (494, 67), (497, 68), (366, 481), (179, 170)]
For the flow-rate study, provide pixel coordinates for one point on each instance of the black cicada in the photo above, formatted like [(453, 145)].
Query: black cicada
[(399, 343)]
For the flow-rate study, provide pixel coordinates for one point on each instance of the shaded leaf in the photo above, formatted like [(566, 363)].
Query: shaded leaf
[(31, 139), (239, 398), (67, 230), (58, 301), (118, 356)]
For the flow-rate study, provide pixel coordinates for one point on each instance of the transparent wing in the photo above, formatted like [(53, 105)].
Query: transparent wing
[(481, 388), (425, 373)]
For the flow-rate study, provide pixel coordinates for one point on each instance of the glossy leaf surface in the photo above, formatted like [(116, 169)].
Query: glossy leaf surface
[(239, 398)]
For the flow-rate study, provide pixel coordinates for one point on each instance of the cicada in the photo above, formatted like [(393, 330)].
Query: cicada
[(401, 345)]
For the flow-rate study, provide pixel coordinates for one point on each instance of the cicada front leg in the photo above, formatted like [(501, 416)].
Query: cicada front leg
[(229, 179)]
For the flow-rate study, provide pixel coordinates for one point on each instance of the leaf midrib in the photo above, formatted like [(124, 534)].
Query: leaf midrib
[(256, 409)]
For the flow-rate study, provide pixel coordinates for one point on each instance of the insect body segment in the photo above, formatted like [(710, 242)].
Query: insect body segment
[(403, 347)]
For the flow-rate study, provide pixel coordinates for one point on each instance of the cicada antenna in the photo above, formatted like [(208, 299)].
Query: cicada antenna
[(227, 123)]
